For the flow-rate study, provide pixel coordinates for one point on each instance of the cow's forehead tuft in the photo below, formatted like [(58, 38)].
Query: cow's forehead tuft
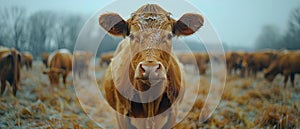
[(64, 51), (151, 8)]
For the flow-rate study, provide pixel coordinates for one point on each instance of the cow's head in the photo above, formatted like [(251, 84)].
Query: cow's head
[(150, 31), (271, 72), (53, 74)]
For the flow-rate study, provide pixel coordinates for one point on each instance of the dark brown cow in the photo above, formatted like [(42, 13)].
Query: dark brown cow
[(59, 62), (257, 61), (144, 61), (10, 65), (44, 57), (234, 62), (27, 60), (105, 58), (82, 61), (287, 65)]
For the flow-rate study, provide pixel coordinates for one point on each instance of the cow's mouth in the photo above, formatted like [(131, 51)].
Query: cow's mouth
[(150, 78), (146, 84)]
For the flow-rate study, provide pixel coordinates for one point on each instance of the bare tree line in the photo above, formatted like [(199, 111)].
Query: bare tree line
[(46, 31), (42, 31), (271, 38)]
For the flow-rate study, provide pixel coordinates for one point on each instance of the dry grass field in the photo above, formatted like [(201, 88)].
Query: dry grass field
[(246, 103)]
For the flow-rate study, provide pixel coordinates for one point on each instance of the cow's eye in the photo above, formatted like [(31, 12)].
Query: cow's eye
[(170, 36), (131, 36)]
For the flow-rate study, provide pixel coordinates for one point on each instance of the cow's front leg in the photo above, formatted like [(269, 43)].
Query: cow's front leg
[(293, 79), (15, 88), (65, 80), (286, 78), (3, 85)]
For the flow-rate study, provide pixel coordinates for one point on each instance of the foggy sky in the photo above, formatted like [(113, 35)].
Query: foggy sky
[(238, 22)]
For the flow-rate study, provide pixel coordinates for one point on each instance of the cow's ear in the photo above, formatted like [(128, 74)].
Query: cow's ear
[(188, 24), (114, 24)]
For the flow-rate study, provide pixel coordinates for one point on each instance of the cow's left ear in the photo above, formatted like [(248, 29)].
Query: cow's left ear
[(188, 24), (114, 24)]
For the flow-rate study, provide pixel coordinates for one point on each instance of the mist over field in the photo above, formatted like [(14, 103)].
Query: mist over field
[(247, 76)]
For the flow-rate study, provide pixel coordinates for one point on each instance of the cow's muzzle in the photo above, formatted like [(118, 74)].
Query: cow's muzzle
[(150, 70)]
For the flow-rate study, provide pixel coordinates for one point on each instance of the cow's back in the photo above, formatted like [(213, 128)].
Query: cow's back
[(290, 62), (60, 60), (10, 64)]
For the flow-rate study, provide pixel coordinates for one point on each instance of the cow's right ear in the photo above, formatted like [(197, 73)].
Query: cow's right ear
[(114, 24), (188, 24)]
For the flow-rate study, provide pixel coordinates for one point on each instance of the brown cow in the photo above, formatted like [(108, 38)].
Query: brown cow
[(257, 61), (105, 58), (287, 65), (44, 57), (27, 60), (10, 65), (145, 61), (234, 62), (82, 61), (199, 60), (202, 60), (59, 62)]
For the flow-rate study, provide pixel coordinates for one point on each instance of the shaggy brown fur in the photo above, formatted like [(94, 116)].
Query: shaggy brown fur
[(59, 63), (287, 64), (10, 65), (150, 31)]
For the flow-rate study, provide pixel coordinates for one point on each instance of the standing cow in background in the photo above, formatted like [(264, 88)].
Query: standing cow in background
[(82, 61), (287, 64), (10, 65), (27, 60), (257, 61), (145, 60), (234, 62), (59, 63), (45, 57), (105, 58), (198, 60)]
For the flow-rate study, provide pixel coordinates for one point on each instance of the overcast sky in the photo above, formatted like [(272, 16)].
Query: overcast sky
[(238, 22)]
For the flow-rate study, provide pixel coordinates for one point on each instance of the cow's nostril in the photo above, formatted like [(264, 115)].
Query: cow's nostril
[(148, 70), (159, 67), (141, 68)]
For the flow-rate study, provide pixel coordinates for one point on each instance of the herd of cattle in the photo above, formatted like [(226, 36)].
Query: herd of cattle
[(244, 64), (58, 63), (270, 62)]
